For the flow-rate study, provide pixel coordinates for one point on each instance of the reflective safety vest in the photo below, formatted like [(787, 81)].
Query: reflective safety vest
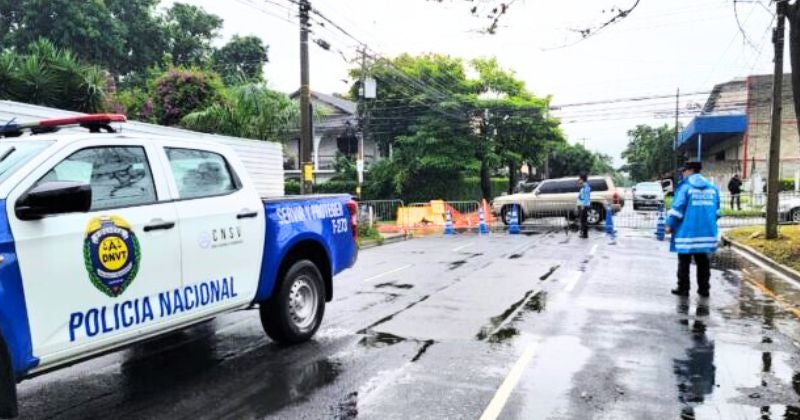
[(693, 217)]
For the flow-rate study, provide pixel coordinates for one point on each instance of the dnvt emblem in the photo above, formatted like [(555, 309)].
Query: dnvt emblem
[(111, 254)]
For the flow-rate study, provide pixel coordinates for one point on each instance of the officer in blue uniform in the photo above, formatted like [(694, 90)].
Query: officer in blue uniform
[(584, 202), (692, 221)]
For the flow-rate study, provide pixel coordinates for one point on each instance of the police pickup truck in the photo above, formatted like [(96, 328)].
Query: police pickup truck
[(109, 239)]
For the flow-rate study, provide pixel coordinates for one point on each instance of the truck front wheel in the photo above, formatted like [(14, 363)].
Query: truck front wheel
[(294, 312), (8, 385)]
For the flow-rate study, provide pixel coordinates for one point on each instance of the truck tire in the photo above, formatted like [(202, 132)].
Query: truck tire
[(596, 214), (294, 312), (8, 385), (794, 215), (505, 217)]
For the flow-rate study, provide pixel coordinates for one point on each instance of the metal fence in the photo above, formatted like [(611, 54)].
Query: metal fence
[(556, 214), (395, 216), (375, 212)]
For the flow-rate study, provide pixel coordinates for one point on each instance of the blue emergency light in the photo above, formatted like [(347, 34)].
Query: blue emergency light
[(93, 122)]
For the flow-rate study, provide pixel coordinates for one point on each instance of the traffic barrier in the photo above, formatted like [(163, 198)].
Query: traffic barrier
[(513, 225), (448, 223), (483, 229), (611, 232), (394, 216), (661, 225)]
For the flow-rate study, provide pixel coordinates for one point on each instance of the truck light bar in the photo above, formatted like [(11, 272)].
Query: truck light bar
[(94, 122)]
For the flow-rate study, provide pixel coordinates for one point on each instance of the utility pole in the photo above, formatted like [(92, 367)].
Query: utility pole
[(306, 140), (362, 95), (677, 133), (773, 170)]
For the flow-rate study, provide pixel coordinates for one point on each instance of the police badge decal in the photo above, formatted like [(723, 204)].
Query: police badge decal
[(111, 254)]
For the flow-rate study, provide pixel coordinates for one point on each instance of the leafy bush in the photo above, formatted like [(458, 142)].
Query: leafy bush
[(179, 91), (787, 184), (135, 103), (252, 111), (291, 187), (466, 190)]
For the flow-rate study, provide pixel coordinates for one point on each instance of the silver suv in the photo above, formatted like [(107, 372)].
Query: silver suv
[(558, 198)]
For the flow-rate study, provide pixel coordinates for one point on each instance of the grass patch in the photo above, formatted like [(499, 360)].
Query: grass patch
[(754, 211), (741, 213), (368, 234), (784, 250)]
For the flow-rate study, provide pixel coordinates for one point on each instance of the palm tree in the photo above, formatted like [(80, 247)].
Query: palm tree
[(48, 76), (251, 111)]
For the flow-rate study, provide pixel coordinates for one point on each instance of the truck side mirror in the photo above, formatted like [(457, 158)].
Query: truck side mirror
[(55, 197)]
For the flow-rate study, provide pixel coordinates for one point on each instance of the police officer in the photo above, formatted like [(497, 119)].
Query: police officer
[(584, 201), (692, 221)]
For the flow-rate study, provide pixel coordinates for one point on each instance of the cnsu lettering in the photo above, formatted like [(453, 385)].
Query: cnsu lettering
[(130, 313)]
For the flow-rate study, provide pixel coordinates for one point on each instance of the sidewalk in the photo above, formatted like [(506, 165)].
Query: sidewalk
[(386, 238), (782, 255)]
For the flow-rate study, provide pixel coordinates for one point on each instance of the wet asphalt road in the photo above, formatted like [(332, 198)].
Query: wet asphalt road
[(520, 327)]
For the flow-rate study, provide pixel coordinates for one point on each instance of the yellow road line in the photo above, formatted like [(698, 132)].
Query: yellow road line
[(786, 306)]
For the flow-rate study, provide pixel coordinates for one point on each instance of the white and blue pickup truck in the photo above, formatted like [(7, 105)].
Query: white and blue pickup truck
[(109, 239)]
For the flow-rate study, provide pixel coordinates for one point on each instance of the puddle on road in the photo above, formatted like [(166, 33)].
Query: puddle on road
[(549, 272), (547, 387), (721, 375), (380, 340), (500, 330), (455, 264), (391, 317), (347, 409), (169, 360), (394, 285), (288, 384)]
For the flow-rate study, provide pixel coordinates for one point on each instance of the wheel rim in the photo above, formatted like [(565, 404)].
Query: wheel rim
[(303, 299), (507, 216), (796, 215), (592, 216)]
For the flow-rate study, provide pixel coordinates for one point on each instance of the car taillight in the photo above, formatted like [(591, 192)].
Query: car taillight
[(352, 207), (616, 197)]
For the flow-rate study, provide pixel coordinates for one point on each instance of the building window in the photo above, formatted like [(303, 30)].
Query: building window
[(720, 156)]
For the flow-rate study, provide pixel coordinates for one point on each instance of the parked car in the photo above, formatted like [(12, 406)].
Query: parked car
[(110, 239), (525, 187), (668, 187), (789, 209), (648, 195), (558, 198)]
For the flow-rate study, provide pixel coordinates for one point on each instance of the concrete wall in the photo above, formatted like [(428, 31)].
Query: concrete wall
[(759, 111)]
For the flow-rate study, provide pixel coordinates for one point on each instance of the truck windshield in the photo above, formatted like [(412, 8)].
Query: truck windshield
[(14, 154)]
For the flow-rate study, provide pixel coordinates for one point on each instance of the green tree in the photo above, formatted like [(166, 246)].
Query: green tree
[(252, 111), (514, 127), (145, 36), (649, 152), (573, 159), (190, 30), (241, 59), (127, 37), (443, 125), (86, 27), (45, 75)]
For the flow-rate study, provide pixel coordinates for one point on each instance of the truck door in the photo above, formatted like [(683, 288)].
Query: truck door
[(93, 279), (222, 227)]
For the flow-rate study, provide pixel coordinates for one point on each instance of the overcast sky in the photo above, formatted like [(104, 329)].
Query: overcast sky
[(661, 46)]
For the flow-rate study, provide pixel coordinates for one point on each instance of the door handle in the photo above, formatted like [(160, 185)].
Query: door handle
[(246, 214), (159, 225)]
